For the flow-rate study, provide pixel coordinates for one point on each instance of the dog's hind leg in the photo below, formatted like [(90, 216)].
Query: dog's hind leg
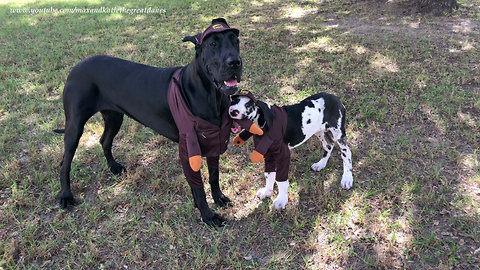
[(78, 107), (341, 139), (328, 145), (347, 178), (113, 121), (73, 132)]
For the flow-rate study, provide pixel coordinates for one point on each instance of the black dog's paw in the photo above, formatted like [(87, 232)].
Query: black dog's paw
[(222, 200), (117, 168), (67, 201), (214, 220)]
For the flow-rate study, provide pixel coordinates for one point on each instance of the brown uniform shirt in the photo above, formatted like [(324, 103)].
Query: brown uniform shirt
[(272, 145), (197, 136)]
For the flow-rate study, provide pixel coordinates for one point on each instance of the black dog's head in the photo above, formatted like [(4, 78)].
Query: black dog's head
[(242, 107), (218, 52)]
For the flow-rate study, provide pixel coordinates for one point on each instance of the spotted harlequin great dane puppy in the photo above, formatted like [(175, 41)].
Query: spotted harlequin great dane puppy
[(287, 127)]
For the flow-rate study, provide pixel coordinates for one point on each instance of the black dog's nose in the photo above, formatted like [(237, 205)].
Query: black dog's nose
[(234, 62)]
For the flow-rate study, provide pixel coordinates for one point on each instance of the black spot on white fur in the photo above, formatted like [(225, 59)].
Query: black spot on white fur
[(331, 113)]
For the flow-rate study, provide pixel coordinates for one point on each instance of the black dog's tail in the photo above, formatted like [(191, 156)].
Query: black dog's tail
[(59, 131)]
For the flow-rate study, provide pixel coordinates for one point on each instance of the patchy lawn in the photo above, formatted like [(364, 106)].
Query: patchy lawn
[(411, 85)]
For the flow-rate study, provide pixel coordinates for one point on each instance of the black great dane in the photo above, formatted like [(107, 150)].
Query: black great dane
[(115, 87)]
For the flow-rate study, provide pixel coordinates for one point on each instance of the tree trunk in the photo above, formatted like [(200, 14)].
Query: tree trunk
[(437, 6)]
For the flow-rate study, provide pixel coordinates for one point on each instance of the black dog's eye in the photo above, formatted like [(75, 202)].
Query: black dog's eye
[(213, 44), (235, 39)]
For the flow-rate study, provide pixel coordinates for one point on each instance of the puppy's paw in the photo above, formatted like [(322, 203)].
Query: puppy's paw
[(281, 201), (347, 180), (319, 165), (264, 193)]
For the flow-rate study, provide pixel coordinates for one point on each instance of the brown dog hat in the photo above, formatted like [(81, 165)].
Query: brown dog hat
[(218, 25)]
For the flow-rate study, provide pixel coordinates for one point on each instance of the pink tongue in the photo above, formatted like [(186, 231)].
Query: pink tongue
[(231, 82), (236, 128)]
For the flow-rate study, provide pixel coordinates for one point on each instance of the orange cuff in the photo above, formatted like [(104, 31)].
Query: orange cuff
[(256, 157), (195, 162), (255, 129), (238, 140)]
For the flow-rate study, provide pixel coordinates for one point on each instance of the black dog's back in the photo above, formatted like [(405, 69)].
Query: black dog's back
[(102, 82)]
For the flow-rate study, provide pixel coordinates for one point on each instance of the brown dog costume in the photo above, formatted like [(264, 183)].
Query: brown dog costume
[(199, 137), (271, 145)]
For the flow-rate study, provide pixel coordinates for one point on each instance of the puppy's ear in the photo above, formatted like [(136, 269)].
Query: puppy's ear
[(219, 20), (268, 115)]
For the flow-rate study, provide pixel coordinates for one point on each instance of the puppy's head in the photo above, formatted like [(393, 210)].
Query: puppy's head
[(243, 107)]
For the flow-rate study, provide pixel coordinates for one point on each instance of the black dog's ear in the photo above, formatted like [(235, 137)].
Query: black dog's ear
[(192, 39), (268, 115), (220, 20)]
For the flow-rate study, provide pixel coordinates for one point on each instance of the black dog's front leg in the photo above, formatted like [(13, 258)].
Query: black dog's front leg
[(208, 216), (218, 197)]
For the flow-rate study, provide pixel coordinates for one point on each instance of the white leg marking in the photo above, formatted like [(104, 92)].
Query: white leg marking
[(282, 199), (267, 191), (347, 178), (328, 147)]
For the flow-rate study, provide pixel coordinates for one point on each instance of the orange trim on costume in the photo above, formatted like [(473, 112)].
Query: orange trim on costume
[(195, 163), (256, 157), (238, 140), (256, 130)]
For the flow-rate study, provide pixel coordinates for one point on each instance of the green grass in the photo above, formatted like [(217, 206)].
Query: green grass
[(411, 86)]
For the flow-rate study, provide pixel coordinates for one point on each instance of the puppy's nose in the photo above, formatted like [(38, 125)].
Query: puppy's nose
[(233, 113), (234, 62)]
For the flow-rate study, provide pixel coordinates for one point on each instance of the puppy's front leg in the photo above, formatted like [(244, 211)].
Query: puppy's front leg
[(267, 191), (282, 198)]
